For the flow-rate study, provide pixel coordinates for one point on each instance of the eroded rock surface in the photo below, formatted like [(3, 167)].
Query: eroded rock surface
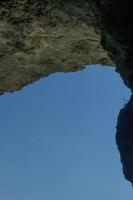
[(41, 37)]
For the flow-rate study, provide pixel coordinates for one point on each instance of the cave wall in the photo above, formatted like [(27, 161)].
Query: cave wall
[(124, 139), (117, 31), (40, 37), (116, 38)]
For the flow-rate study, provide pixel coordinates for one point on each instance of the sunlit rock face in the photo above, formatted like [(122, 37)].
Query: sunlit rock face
[(40, 37)]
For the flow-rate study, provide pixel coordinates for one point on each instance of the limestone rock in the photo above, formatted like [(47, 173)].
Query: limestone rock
[(38, 38)]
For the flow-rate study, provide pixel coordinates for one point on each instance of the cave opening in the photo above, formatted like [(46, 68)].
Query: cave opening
[(58, 138)]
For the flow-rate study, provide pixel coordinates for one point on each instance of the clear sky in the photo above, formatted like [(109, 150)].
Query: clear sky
[(57, 138)]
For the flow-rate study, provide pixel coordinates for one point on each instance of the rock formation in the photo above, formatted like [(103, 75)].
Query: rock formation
[(117, 31), (124, 138), (40, 37)]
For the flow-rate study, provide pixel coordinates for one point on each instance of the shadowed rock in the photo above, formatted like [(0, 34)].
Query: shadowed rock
[(117, 39), (124, 139)]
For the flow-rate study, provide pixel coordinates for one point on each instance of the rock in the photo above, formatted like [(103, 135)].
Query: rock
[(43, 37), (117, 31), (124, 139), (117, 39)]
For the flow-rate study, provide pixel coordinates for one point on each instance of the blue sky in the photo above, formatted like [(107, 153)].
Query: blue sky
[(57, 138)]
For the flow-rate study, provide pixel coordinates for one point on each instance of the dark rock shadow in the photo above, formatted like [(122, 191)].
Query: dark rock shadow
[(124, 139)]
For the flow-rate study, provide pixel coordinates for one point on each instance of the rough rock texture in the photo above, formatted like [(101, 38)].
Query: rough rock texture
[(40, 37)]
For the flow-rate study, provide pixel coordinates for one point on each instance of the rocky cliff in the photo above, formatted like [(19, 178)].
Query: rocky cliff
[(40, 37)]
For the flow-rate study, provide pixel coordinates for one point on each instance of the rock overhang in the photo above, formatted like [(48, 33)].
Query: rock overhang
[(38, 38)]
